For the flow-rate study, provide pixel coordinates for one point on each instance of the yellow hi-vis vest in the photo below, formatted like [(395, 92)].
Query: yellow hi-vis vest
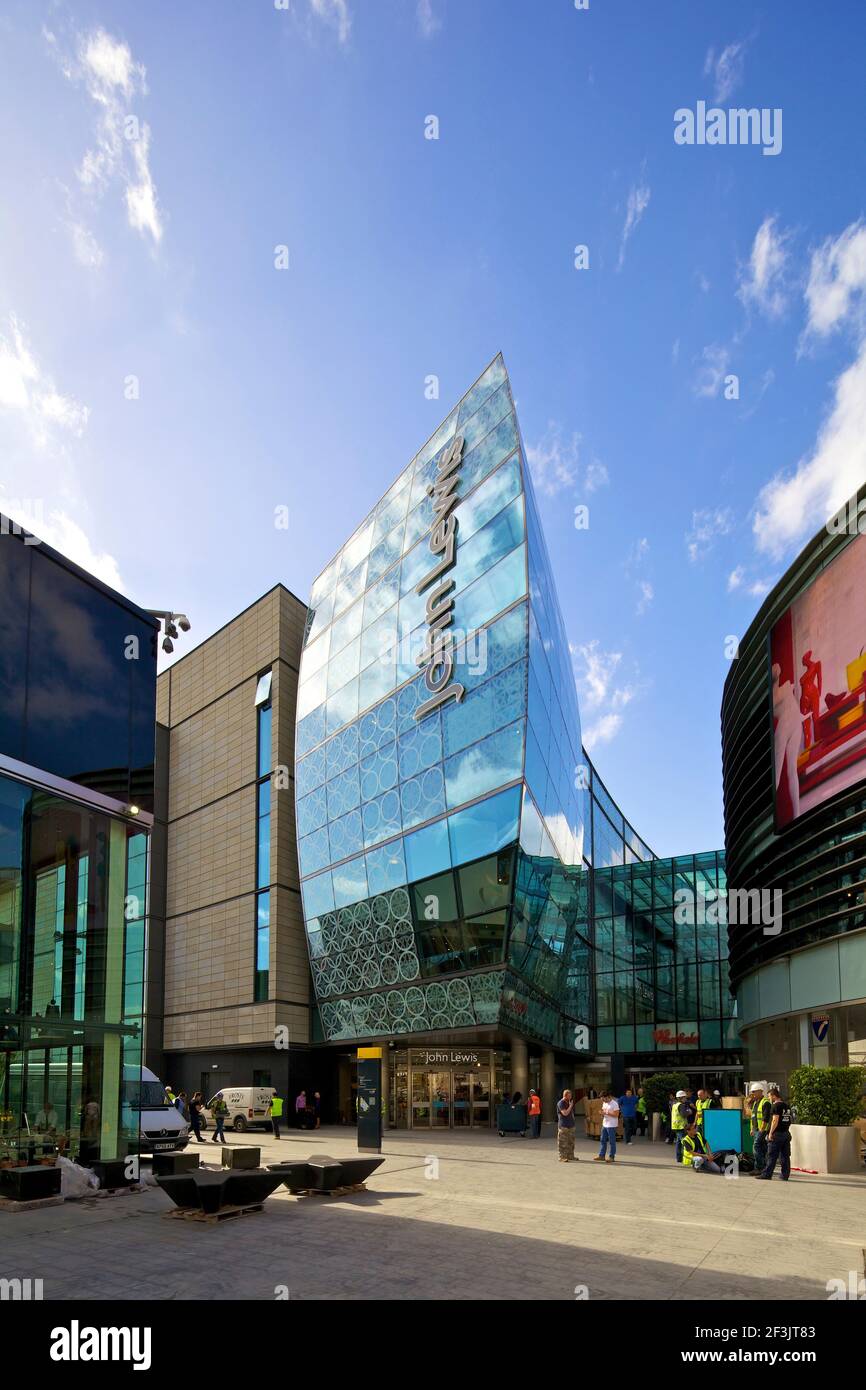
[(689, 1146), (276, 1107), (677, 1117), (760, 1119), (702, 1105)]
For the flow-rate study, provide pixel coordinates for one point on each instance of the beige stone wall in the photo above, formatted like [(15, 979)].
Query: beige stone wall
[(207, 701)]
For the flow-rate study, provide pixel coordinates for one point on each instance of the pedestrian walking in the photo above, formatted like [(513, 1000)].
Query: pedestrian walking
[(628, 1110), (301, 1109), (219, 1110), (760, 1117), (642, 1116), (779, 1137), (196, 1107), (181, 1104), (565, 1128), (533, 1109), (696, 1153), (275, 1110), (609, 1122)]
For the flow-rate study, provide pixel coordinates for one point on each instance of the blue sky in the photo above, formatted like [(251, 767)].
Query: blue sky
[(164, 387)]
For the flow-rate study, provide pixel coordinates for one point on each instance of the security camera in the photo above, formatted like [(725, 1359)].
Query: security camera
[(167, 644), (183, 622)]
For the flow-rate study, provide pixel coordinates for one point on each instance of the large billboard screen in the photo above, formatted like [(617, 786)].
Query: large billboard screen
[(818, 674)]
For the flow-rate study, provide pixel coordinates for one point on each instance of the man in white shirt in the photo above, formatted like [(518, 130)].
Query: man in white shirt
[(609, 1122)]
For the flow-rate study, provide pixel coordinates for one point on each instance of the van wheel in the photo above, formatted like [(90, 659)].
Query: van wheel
[(239, 1125)]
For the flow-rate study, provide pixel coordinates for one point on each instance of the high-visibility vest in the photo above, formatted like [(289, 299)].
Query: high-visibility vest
[(641, 1105), (677, 1118), (702, 1105), (759, 1115), (276, 1107), (535, 1105), (689, 1146)]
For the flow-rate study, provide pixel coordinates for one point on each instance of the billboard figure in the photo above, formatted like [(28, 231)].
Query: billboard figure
[(786, 712), (810, 699)]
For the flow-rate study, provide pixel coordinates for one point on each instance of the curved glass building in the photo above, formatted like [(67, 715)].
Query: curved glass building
[(447, 815), (794, 761)]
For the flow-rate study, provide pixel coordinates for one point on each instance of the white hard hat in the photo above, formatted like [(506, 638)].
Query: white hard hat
[(752, 1089), (681, 1095)]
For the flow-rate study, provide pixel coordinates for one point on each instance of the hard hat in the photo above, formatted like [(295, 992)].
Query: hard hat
[(753, 1089), (681, 1095)]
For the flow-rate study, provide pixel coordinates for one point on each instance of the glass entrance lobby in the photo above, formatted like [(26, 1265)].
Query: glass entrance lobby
[(447, 1088)]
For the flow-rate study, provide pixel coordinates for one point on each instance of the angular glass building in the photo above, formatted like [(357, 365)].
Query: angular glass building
[(447, 815)]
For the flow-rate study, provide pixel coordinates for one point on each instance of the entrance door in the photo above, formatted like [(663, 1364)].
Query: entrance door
[(481, 1099), (462, 1100), (421, 1113), (440, 1098)]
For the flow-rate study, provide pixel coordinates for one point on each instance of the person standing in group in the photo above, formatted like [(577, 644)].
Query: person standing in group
[(779, 1138), (180, 1104), (317, 1106), (760, 1117), (196, 1106), (533, 1110), (702, 1103), (170, 1095), (300, 1109), (642, 1117), (668, 1118), (609, 1122), (565, 1128), (275, 1111), (716, 1101), (678, 1123), (219, 1110), (628, 1109)]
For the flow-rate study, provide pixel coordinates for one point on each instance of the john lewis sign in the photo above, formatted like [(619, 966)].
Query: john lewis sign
[(438, 653)]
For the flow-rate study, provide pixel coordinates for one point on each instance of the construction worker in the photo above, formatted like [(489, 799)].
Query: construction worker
[(678, 1124), (695, 1152), (760, 1111), (704, 1101), (276, 1113), (642, 1117)]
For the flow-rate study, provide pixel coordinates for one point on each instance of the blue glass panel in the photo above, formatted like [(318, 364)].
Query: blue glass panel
[(320, 619), (382, 596), (314, 852), (379, 772), (343, 706), (263, 857), (350, 882), (318, 895), (345, 629), (381, 818), (344, 794), (427, 851), (392, 509), (379, 638), (605, 1040), (325, 583), (495, 590), (264, 799), (488, 545), (424, 474), (539, 717), (491, 763), (492, 451), (421, 747), (310, 772), (376, 681), (408, 700), (386, 867), (377, 726), (312, 811), (263, 949), (310, 731), (482, 422), (468, 721), (385, 554), (412, 611), (265, 714), (350, 587), (509, 694), (342, 750), (346, 836), (483, 388), (263, 910), (415, 565), (423, 797), (484, 828), (489, 499), (437, 441), (418, 522)]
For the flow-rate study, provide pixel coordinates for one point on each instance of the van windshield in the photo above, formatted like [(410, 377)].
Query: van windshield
[(145, 1095)]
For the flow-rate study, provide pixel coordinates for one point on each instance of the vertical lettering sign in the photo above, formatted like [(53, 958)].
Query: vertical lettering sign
[(438, 653)]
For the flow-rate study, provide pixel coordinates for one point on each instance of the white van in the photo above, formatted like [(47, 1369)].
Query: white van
[(247, 1105), (162, 1128)]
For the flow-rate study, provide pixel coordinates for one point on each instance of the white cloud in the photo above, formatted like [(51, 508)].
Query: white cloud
[(792, 506), (761, 281), (29, 391), (755, 588), (600, 695), (638, 202), (596, 476), (707, 523), (735, 579), (712, 370), (601, 731), (334, 13), (647, 594), (428, 22), (58, 529), (552, 463), (638, 553), (121, 153), (837, 278), (726, 69)]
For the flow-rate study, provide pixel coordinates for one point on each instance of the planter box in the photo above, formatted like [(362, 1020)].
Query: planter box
[(246, 1157), (826, 1148)]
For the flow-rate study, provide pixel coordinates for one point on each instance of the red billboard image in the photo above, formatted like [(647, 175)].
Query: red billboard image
[(818, 673)]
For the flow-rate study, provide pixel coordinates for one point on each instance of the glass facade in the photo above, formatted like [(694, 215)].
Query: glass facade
[(264, 763), (73, 891)]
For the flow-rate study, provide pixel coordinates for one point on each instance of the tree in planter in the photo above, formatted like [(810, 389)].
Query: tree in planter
[(657, 1086), (827, 1095)]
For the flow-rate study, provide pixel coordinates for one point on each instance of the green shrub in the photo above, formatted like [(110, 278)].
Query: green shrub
[(656, 1087), (826, 1095)]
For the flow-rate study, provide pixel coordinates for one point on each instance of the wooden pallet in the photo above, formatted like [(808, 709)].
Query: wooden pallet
[(212, 1218), (34, 1204)]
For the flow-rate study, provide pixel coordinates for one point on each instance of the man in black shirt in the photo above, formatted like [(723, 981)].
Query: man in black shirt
[(779, 1138)]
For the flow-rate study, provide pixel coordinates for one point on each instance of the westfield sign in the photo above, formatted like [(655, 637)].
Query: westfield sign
[(665, 1038), (438, 653)]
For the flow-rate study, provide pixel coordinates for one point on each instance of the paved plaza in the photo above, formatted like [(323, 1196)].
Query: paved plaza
[(502, 1220)]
